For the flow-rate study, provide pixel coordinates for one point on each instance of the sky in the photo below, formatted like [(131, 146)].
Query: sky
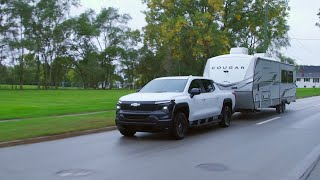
[(305, 36)]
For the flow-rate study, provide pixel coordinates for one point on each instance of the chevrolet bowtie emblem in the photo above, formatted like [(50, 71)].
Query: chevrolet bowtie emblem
[(135, 104)]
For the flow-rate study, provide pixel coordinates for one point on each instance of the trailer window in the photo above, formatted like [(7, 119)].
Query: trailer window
[(284, 76), (290, 76)]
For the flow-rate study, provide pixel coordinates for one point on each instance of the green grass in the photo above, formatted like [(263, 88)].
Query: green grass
[(307, 92), (40, 103), (45, 126), (40, 108)]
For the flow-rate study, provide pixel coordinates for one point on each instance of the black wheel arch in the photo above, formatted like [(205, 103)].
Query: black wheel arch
[(181, 107)]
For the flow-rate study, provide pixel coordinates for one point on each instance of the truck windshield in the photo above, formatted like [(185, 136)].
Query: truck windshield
[(164, 85)]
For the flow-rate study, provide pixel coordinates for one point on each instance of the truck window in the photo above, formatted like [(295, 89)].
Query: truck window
[(196, 83), (207, 85)]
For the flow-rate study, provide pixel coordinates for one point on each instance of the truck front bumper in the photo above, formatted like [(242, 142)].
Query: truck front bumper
[(143, 122)]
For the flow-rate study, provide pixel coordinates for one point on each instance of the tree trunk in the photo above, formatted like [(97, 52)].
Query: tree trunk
[(38, 70)]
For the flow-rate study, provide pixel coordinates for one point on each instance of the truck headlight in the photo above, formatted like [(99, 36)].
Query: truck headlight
[(165, 109), (119, 105)]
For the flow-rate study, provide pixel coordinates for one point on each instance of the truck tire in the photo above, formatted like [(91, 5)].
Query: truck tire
[(180, 126), (127, 133), (225, 117)]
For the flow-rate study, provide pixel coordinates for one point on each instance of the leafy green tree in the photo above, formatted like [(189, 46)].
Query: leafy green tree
[(114, 36), (187, 33), (81, 47), (187, 30), (45, 35), (244, 21), (14, 18), (286, 59)]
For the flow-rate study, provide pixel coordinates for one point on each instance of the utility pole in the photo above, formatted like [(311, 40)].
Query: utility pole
[(266, 25)]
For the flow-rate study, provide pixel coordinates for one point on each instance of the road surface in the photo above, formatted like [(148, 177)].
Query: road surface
[(264, 146)]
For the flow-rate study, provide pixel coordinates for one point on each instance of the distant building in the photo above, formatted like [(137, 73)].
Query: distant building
[(308, 77)]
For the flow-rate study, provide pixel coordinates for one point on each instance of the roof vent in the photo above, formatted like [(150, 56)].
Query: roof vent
[(239, 50)]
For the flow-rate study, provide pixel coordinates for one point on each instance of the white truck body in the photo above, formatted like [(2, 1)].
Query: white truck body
[(258, 81)]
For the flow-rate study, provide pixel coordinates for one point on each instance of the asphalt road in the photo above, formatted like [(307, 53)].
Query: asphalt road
[(258, 146)]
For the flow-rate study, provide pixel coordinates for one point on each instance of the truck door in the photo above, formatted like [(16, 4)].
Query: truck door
[(197, 103), (213, 106)]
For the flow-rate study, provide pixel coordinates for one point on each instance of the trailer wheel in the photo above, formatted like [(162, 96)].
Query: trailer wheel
[(283, 107), (278, 108)]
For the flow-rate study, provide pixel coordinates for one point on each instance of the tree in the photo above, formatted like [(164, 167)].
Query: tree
[(114, 38), (286, 59), (189, 32), (20, 16), (44, 37)]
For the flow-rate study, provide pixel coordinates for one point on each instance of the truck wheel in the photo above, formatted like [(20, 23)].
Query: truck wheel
[(126, 132), (180, 126), (225, 117)]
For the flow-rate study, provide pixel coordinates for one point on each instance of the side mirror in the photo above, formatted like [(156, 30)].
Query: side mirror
[(194, 92)]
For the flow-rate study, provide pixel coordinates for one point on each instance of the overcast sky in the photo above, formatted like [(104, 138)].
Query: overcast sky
[(305, 36)]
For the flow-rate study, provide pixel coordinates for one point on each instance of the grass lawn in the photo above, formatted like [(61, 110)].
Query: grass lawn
[(41, 103), (307, 92), (44, 126), (40, 108)]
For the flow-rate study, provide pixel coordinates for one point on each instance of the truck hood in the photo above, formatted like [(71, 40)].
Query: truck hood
[(150, 97)]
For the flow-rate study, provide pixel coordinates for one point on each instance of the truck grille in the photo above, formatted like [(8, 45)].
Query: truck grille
[(134, 117), (142, 107)]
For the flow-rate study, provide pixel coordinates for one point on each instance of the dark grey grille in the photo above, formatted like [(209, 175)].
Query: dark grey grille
[(142, 107), (136, 117)]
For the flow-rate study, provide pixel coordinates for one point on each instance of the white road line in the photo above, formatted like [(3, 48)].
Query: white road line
[(263, 122)]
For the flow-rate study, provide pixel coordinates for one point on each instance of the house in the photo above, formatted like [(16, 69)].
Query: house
[(308, 77)]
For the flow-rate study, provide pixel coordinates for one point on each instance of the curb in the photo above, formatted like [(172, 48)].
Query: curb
[(303, 170), (55, 137)]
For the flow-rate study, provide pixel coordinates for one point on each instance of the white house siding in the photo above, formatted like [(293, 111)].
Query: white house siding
[(311, 84)]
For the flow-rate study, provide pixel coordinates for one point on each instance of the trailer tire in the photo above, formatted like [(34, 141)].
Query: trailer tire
[(283, 106), (278, 109), (225, 117)]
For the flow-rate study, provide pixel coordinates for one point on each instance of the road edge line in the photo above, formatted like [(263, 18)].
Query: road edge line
[(305, 167), (55, 137)]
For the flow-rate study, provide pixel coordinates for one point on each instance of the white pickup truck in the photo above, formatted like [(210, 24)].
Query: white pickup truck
[(174, 104)]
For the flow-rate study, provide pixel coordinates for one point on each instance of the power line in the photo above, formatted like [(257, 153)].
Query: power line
[(305, 39)]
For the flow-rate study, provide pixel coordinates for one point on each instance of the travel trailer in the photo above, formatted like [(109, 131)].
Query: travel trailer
[(258, 81)]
